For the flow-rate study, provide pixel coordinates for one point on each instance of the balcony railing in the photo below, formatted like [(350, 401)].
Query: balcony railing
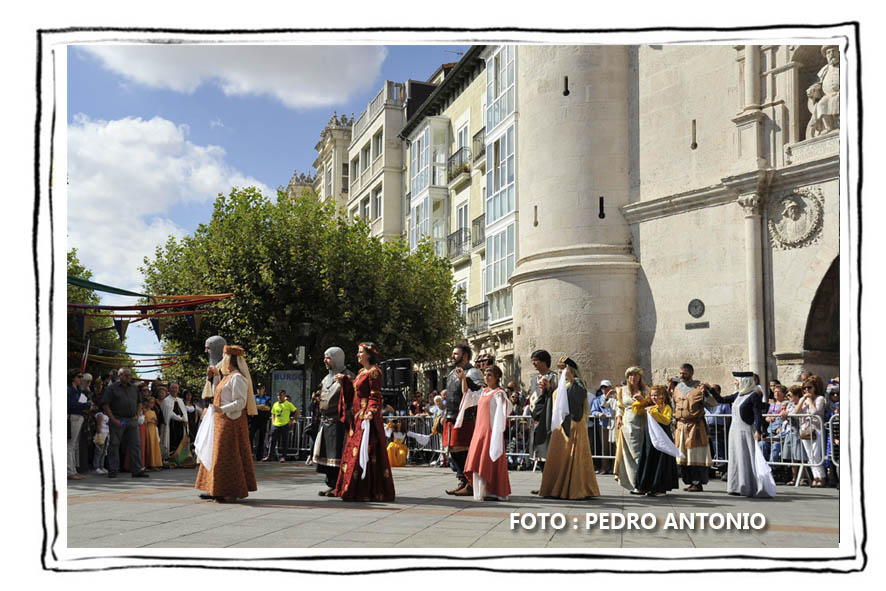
[(459, 162), (478, 231), (478, 318), (457, 242), (478, 144), (392, 94)]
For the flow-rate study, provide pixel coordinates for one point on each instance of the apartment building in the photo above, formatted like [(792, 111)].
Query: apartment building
[(331, 181)]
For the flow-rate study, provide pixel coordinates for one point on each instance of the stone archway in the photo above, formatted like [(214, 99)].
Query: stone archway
[(819, 351), (823, 323)]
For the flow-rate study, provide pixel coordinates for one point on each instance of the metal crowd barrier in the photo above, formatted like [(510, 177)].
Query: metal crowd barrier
[(833, 436), (519, 441)]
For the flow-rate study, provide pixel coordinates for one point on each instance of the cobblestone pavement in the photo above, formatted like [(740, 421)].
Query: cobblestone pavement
[(164, 511)]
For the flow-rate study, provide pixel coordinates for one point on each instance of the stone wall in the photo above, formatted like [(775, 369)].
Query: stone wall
[(676, 85)]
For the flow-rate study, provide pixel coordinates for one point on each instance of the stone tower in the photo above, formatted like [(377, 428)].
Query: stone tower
[(574, 285)]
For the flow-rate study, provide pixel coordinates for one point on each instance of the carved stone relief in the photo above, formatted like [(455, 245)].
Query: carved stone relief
[(796, 218)]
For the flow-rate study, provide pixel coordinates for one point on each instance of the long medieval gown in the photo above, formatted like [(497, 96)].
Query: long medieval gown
[(232, 473), (486, 467), (628, 439), (569, 470), (656, 470), (378, 483), (153, 456)]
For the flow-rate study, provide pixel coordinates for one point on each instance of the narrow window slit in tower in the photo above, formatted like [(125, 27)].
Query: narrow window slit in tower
[(565, 85), (601, 215), (535, 215), (694, 144)]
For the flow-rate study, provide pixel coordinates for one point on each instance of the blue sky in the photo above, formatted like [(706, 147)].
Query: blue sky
[(155, 132)]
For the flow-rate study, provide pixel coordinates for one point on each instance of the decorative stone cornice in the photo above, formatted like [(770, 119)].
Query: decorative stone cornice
[(598, 258), (643, 211)]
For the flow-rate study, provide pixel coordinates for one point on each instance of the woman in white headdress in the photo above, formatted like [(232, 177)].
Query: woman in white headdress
[(749, 474), (231, 474)]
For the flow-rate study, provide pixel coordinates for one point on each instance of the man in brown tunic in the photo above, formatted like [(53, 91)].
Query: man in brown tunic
[(690, 432)]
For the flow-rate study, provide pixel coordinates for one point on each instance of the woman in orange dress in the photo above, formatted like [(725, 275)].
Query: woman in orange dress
[(153, 456), (232, 473), (487, 465), (365, 473)]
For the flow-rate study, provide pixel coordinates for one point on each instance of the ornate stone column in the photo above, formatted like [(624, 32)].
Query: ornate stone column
[(752, 206)]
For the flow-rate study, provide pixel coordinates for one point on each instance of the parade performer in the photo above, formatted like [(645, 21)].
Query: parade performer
[(656, 470), (214, 347), (365, 473), (457, 440), (231, 474), (541, 391), (333, 407), (397, 450), (569, 469), (630, 429), (691, 433), (748, 473), (486, 466), (175, 420)]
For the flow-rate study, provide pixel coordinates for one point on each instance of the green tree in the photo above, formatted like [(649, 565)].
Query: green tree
[(106, 339), (295, 261)]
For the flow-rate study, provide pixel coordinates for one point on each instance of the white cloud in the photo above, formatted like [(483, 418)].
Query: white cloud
[(299, 76), (125, 178), (216, 123)]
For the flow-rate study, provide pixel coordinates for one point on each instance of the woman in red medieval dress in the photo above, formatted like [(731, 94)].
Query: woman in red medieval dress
[(365, 473), (487, 466)]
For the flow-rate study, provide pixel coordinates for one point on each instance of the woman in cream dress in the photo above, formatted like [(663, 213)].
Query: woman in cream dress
[(630, 429)]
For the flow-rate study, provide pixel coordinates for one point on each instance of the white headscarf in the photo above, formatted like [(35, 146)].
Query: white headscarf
[(746, 385), (225, 368)]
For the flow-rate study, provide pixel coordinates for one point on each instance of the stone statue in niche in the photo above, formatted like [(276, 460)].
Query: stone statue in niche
[(824, 95), (796, 219)]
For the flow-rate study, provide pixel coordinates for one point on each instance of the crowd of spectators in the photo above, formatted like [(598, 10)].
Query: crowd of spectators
[(164, 420)]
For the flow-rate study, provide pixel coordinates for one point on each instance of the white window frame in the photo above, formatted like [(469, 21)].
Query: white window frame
[(420, 162), (378, 144), (364, 208), (501, 255), (463, 284), (501, 158), (421, 217), (461, 216), (377, 202), (500, 86)]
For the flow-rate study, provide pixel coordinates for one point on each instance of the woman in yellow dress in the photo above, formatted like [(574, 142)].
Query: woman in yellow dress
[(397, 450), (153, 456)]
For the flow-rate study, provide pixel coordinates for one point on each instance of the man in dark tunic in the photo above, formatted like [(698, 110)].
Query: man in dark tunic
[(456, 441), (541, 400), (330, 437)]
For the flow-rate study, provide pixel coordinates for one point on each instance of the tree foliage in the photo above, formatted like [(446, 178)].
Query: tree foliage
[(295, 261), (106, 339)]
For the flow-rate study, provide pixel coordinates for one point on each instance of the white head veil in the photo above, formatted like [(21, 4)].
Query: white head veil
[(225, 368)]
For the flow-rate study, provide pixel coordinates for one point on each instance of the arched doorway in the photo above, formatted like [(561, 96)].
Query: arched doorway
[(823, 322)]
